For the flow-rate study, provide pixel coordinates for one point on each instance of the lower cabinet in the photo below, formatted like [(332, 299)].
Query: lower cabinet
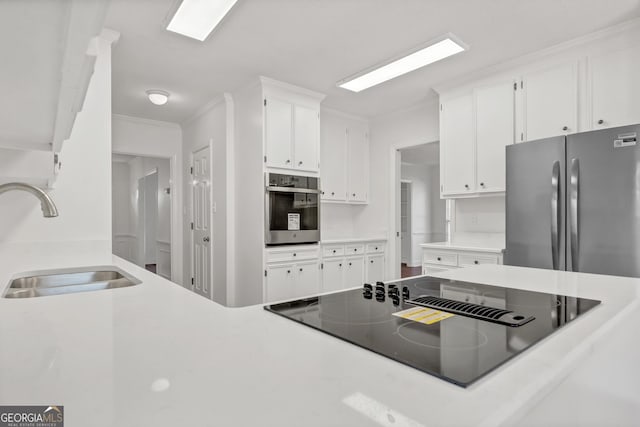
[(351, 264), (285, 281), (438, 260)]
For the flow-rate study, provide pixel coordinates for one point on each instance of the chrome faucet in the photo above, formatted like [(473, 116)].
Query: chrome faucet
[(49, 209)]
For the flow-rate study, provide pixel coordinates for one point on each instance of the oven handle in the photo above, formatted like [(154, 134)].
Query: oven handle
[(292, 190)]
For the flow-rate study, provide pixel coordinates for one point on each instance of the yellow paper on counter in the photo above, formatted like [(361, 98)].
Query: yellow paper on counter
[(428, 316)]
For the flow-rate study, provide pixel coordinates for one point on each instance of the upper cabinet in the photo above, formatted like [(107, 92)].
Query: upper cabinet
[(591, 88), (494, 131), (550, 102), (615, 88), (292, 135), (457, 144), (474, 130), (344, 152)]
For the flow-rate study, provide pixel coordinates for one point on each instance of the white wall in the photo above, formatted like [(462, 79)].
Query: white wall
[(414, 126), (480, 215), (157, 140), (209, 128), (122, 232), (82, 192)]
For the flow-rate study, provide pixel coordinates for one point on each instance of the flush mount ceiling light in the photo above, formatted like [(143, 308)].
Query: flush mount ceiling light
[(197, 18), (158, 97), (434, 51)]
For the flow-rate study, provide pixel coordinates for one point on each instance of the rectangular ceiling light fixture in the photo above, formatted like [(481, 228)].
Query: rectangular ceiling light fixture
[(433, 52), (197, 18)]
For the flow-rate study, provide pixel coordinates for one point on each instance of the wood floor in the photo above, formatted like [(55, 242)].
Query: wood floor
[(406, 271)]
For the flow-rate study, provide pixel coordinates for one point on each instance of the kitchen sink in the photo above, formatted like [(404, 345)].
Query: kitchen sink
[(69, 281)]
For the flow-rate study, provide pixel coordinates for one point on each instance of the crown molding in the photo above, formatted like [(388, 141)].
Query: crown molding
[(217, 100), (269, 82), (350, 116), (150, 122)]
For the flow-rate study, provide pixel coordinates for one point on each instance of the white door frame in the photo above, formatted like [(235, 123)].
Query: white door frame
[(395, 250), (191, 219), (175, 187)]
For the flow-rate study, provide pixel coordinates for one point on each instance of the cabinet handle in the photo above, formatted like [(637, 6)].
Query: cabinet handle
[(288, 161), (376, 248), (299, 163), (439, 259), (482, 184), (600, 121), (288, 271), (349, 264), (475, 262), (323, 193), (332, 193), (371, 261), (300, 269), (334, 251), (340, 265), (354, 194), (565, 128), (466, 186), (355, 249)]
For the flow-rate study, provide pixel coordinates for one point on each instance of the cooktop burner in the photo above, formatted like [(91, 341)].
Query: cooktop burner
[(437, 325)]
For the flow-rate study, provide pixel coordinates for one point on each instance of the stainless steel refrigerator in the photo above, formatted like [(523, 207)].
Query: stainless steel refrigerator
[(573, 202)]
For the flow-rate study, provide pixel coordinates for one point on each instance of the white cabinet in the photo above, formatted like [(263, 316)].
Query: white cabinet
[(291, 272), (474, 130), (333, 159), (436, 260), (494, 131), (292, 135), (332, 275), (615, 88), (278, 133), (375, 268), (344, 161), (550, 102), (306, 137), (351, 264), (280, 282), (358, 164), (457, 145), (354, 271)]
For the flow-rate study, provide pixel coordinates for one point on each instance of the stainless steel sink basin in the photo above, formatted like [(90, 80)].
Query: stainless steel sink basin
[(68, 281)]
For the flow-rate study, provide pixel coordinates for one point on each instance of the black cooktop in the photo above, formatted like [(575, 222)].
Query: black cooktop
[(458, 331)]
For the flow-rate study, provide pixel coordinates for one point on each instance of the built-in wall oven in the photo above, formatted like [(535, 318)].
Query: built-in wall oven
[(292, 209)]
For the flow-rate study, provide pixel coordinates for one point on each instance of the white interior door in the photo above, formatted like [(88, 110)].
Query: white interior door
[(140, 236), (201, 224), (405, 222), (150, 218)]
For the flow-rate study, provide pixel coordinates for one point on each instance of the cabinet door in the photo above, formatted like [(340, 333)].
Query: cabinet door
[(375, 268), (615, 88), (306, 137), (457, 145), (332, 275), (278, 133), (279, 284), (307, 279), (358, 163), (354, 272), (333, 158), (551, 102), (494, 131)]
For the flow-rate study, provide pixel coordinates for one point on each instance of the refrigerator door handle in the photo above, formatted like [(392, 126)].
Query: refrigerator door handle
[(574, 218), (555, 215)]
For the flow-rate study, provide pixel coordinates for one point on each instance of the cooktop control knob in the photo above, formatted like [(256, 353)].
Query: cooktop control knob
[(405, 292), (396, 299), (367, 291), (380, 296), (392, 290), (379, 287)]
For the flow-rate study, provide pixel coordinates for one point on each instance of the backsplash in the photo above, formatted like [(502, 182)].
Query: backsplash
[(480, 215)]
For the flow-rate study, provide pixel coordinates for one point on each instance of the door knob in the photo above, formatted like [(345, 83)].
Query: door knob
[(205, 239)]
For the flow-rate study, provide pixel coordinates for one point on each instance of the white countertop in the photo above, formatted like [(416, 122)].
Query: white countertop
[(158, 355), (482, 242), (353, 240)]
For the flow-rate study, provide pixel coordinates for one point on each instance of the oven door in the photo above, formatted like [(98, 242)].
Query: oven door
[(292, 215)]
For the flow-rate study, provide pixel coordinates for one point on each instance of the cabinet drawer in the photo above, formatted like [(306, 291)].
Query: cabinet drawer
[(333, 250), (291, 254), (354, 249), (440, 258), (467, 260), (433, 269), (375, 248)]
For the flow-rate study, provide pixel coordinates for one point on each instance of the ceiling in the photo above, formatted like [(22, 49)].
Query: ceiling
[(315, 43), (424, 155)]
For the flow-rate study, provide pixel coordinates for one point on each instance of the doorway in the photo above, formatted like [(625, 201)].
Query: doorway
[(142, 212), (202, 257), (421, 214)]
